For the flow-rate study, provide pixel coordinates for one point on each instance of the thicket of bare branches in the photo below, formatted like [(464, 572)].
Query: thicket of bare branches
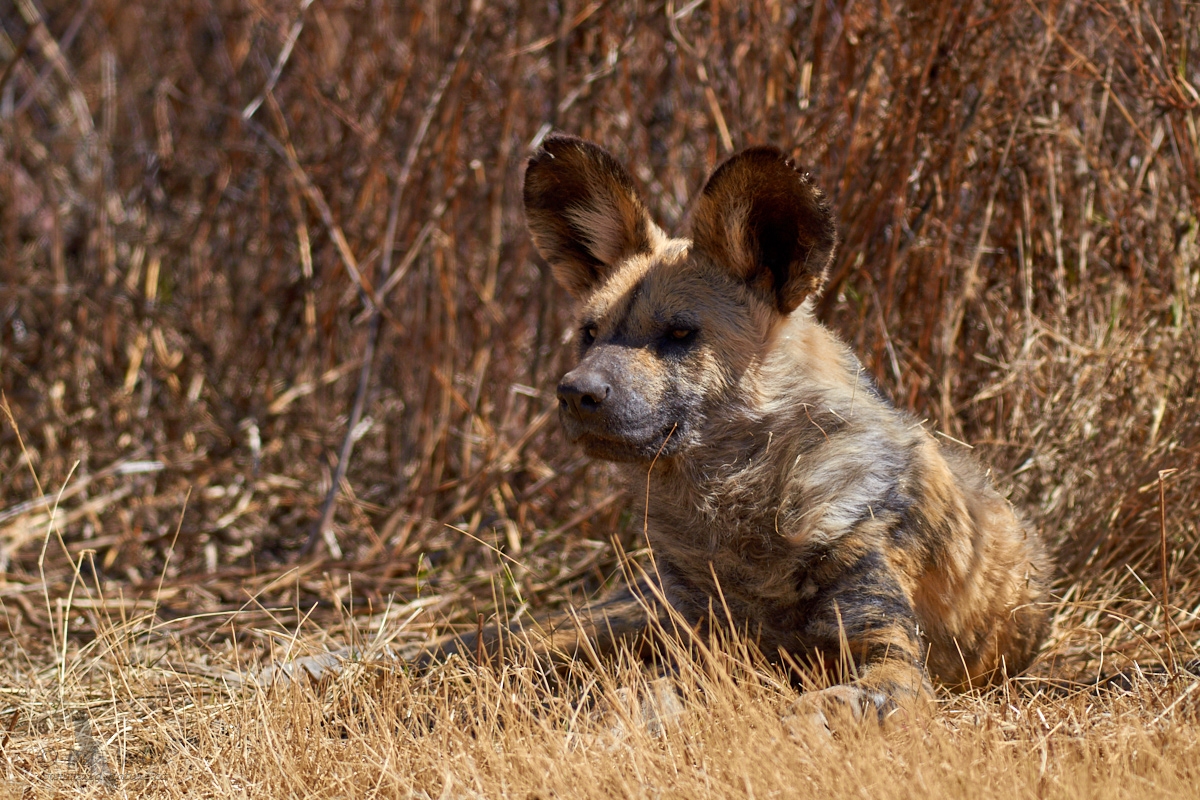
[(250, 249)]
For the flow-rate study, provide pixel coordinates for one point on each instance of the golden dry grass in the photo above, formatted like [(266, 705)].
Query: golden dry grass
[(201, 204), (137, 712)]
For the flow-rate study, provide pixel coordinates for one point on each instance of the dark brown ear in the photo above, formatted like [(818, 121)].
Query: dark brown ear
[(766, 222), (583, 211)]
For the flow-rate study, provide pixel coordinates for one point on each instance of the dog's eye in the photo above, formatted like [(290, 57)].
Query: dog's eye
[(587, 334)]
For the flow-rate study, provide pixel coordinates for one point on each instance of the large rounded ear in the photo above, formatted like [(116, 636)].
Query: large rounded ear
[(584, 212), (765, 221)]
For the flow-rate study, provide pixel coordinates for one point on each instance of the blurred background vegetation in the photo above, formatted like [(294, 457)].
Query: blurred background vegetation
[(255, 250)]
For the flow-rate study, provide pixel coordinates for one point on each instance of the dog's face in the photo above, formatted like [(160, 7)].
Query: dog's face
[(667, 327)]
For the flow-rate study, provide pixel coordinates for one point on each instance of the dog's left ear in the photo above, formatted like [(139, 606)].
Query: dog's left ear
[(767, 223)]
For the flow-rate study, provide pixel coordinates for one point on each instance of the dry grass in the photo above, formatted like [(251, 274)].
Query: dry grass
[(215, 451), (132, 712)]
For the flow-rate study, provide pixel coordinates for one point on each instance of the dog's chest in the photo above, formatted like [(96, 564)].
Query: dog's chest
[(726, 551)]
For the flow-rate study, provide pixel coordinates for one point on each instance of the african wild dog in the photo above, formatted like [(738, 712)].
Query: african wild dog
[(778, 479)]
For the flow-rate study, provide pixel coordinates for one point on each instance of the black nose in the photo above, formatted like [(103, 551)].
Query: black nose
[(583, 393)]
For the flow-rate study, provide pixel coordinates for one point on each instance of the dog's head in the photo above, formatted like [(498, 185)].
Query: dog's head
[(667, 327)]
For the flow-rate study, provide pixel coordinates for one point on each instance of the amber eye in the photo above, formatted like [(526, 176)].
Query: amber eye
[(588, 333), (679, 334)]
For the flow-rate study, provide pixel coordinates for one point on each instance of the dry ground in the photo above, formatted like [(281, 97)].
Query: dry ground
[(140, 712), (276, 360)]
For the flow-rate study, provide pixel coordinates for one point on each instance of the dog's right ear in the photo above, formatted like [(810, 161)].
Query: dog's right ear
[(584, 213)]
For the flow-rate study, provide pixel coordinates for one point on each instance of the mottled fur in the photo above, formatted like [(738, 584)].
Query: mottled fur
[(785, 494)]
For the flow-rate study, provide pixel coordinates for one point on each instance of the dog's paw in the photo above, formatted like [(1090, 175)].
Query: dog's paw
[(306, 668), (654, 708), (322, 666), (827, 711)]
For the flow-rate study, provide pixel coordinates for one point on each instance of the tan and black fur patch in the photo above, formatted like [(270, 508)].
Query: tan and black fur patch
[(782, 488)]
